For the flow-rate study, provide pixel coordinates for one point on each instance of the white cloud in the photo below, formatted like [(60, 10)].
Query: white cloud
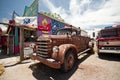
[(84, 14), (50, 6), (4, 28)]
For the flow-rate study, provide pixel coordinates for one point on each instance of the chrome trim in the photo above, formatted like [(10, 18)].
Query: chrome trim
[(109, 51), (40, 52)]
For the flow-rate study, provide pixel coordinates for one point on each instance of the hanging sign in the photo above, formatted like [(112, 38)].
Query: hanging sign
[(32, 10), (27, 21)]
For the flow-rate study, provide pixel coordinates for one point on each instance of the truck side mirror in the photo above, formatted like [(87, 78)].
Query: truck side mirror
[(79, 31), (73, 33)]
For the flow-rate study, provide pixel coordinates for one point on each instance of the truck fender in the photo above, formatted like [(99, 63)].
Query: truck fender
[(63, 50)]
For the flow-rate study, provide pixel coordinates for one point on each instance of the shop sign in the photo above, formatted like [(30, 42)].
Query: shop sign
[(32, 10)]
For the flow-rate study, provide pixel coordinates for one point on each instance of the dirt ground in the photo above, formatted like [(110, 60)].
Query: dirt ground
[(88, 67)]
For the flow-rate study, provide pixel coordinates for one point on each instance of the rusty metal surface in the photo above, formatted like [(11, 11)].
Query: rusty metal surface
[(63, 50), (52, 64), (65, 42)]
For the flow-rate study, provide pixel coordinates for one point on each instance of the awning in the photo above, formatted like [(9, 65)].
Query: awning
[(19, 26)]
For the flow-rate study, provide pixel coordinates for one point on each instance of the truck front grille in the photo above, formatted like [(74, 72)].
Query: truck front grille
[(43, 48)]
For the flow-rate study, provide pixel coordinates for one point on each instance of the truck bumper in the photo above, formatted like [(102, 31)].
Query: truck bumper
[(49, 62), (109, 51)]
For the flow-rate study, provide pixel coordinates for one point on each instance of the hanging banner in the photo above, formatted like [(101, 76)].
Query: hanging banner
[(27, 21)]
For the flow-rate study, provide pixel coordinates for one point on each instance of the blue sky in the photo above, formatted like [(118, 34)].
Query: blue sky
[(8, 6), (88, 14)]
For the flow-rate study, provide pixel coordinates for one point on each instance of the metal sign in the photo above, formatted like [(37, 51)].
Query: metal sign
[(32, 10)]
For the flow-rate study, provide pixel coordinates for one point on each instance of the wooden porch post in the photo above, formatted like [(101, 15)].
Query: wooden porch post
[(21, 44)]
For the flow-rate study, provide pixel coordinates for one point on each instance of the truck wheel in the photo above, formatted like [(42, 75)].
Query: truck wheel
[(68, 61), (99, 54)]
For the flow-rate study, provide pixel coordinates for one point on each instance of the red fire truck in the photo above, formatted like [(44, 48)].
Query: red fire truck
[(109, 40)]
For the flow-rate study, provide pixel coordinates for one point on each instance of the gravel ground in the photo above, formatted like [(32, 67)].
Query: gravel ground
[(88, 67)]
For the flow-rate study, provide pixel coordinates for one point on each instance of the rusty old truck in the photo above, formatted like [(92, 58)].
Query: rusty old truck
[(60, 51)]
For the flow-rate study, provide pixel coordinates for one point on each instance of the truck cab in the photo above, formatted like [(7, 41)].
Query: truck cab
[(109, 40)]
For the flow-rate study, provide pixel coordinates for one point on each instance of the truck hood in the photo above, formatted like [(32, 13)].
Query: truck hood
[(54, 37)]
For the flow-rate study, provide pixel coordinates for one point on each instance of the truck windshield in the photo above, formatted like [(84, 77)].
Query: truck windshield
[(113, 32), (64, 32)]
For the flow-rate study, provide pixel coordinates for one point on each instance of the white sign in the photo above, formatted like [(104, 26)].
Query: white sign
[(28, 21)]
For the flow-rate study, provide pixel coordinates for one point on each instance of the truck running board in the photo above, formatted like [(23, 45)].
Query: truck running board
[(83, 51)]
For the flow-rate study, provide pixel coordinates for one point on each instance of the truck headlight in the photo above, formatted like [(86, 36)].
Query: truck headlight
[(31, 45), (55, 49)]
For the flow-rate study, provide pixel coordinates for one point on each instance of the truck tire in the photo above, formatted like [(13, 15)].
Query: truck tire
[(99, 54), (68, 61), (92, 51)]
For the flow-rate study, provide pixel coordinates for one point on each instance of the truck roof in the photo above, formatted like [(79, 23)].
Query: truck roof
[(113, 27)]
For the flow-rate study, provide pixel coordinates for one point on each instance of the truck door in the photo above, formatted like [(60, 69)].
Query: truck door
[(77, 41)]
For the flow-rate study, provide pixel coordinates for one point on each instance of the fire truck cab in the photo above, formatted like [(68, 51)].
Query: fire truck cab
[(62, 50), (109, 40)]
